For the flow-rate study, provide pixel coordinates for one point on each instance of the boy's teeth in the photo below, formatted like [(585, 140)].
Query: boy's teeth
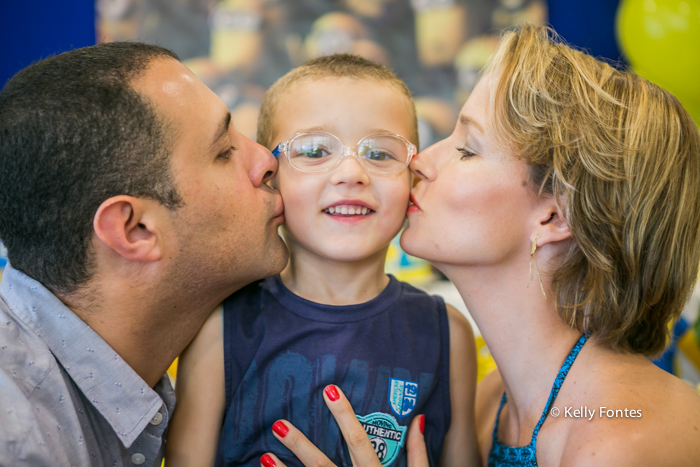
[(348, 210)]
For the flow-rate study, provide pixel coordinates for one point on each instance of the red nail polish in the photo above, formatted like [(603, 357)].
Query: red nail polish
[(332, 393), (267, 461), (421, 423), (281, 429)]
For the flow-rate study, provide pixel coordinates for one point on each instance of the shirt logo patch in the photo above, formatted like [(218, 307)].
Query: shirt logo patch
[(403, 396), (385, 434)]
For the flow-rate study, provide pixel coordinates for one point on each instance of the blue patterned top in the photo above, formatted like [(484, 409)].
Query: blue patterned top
[(501, 455)]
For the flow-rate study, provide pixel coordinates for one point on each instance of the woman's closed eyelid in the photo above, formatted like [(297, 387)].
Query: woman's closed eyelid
[(467, 151)]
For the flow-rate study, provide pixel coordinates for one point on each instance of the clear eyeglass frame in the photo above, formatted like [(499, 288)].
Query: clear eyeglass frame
[(284, 147)]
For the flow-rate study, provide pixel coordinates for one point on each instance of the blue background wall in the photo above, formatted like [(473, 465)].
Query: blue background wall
[(31, 30), (589, 24)]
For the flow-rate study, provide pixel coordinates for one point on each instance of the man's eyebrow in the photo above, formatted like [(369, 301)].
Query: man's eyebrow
[(223, 129), (464, 120)]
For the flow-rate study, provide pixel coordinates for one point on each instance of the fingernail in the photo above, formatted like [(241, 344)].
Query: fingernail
[(281, 429), (267, 461), (421, 423), (332, 393)]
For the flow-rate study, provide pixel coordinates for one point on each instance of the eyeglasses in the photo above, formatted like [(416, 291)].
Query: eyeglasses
[(317, 151)]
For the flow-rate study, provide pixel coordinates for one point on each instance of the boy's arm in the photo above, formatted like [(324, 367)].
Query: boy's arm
[(201, 398), (460, 443)]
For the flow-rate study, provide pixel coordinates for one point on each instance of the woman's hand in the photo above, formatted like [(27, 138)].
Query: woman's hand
[(361, 451)]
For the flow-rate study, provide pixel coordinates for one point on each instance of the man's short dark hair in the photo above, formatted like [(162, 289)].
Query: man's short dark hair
[(73, 133)]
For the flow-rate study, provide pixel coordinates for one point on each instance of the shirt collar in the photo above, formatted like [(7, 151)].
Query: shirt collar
[(116, 391)]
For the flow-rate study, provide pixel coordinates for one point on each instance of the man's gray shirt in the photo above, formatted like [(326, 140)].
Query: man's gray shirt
[(66, 397)]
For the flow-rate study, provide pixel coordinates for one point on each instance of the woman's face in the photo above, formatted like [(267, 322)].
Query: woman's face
[(473, 204)]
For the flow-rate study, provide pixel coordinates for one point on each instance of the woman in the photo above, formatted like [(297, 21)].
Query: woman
[(565, 207)]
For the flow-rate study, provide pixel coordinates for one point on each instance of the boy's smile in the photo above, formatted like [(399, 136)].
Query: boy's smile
[(348, 213), (349, 210)]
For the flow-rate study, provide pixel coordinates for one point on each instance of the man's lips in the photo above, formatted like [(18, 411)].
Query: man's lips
[(278, 210), (413, 200)]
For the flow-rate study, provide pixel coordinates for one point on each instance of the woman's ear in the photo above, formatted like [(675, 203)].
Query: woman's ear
[(128, 226), (551, 224)]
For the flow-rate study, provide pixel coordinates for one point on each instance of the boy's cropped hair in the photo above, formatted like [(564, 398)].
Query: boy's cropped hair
[(330, 66), (74, 133)]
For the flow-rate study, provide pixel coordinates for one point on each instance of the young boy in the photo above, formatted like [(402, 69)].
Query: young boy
[(344, 131)]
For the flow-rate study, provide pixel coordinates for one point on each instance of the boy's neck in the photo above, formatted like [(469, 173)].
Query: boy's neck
[(332, 282)]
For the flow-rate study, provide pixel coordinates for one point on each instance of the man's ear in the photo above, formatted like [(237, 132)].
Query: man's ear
[(551, 224), (127, 226)]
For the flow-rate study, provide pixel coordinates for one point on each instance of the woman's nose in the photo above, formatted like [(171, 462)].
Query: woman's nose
[(423, 165)]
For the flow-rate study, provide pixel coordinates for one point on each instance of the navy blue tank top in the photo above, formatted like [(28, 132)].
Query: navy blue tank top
[(501, 455), (390, 356)]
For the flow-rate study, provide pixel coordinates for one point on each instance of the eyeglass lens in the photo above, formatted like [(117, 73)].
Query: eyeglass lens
[(317, 152)]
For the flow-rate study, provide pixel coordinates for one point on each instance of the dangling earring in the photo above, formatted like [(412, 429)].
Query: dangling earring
[(534, 258)]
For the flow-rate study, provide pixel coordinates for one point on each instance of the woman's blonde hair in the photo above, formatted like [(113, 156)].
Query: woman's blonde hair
[(623, 157)]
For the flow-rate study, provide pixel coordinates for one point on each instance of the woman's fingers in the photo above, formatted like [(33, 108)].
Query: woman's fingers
[(296, 442), (415, 446), (361, 451), (270, 460)]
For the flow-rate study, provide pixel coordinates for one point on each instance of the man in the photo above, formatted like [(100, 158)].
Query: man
[(130, 208)]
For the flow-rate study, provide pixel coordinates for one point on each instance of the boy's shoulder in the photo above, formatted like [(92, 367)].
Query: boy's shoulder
[(242, 311), (254, 292), (411, 292)]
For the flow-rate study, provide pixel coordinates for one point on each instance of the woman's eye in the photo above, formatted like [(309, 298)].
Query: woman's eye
[(466, 153)]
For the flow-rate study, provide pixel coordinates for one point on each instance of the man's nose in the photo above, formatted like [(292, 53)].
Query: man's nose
[(264, 164)]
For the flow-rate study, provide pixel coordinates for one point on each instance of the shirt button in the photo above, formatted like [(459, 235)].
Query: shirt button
[(138, 459), (157, 419)]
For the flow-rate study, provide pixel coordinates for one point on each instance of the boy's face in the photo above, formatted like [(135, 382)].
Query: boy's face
[(349, 109)]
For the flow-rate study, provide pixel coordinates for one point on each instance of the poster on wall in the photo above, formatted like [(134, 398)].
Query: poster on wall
[(240, 47)]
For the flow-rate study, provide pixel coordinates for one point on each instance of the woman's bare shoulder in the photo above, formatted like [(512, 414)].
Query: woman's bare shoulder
[(643, 417)]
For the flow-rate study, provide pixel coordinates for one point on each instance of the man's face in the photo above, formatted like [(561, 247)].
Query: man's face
[(225, 235)]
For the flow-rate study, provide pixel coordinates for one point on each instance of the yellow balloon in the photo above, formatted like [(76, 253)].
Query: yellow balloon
[(661, 39)]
